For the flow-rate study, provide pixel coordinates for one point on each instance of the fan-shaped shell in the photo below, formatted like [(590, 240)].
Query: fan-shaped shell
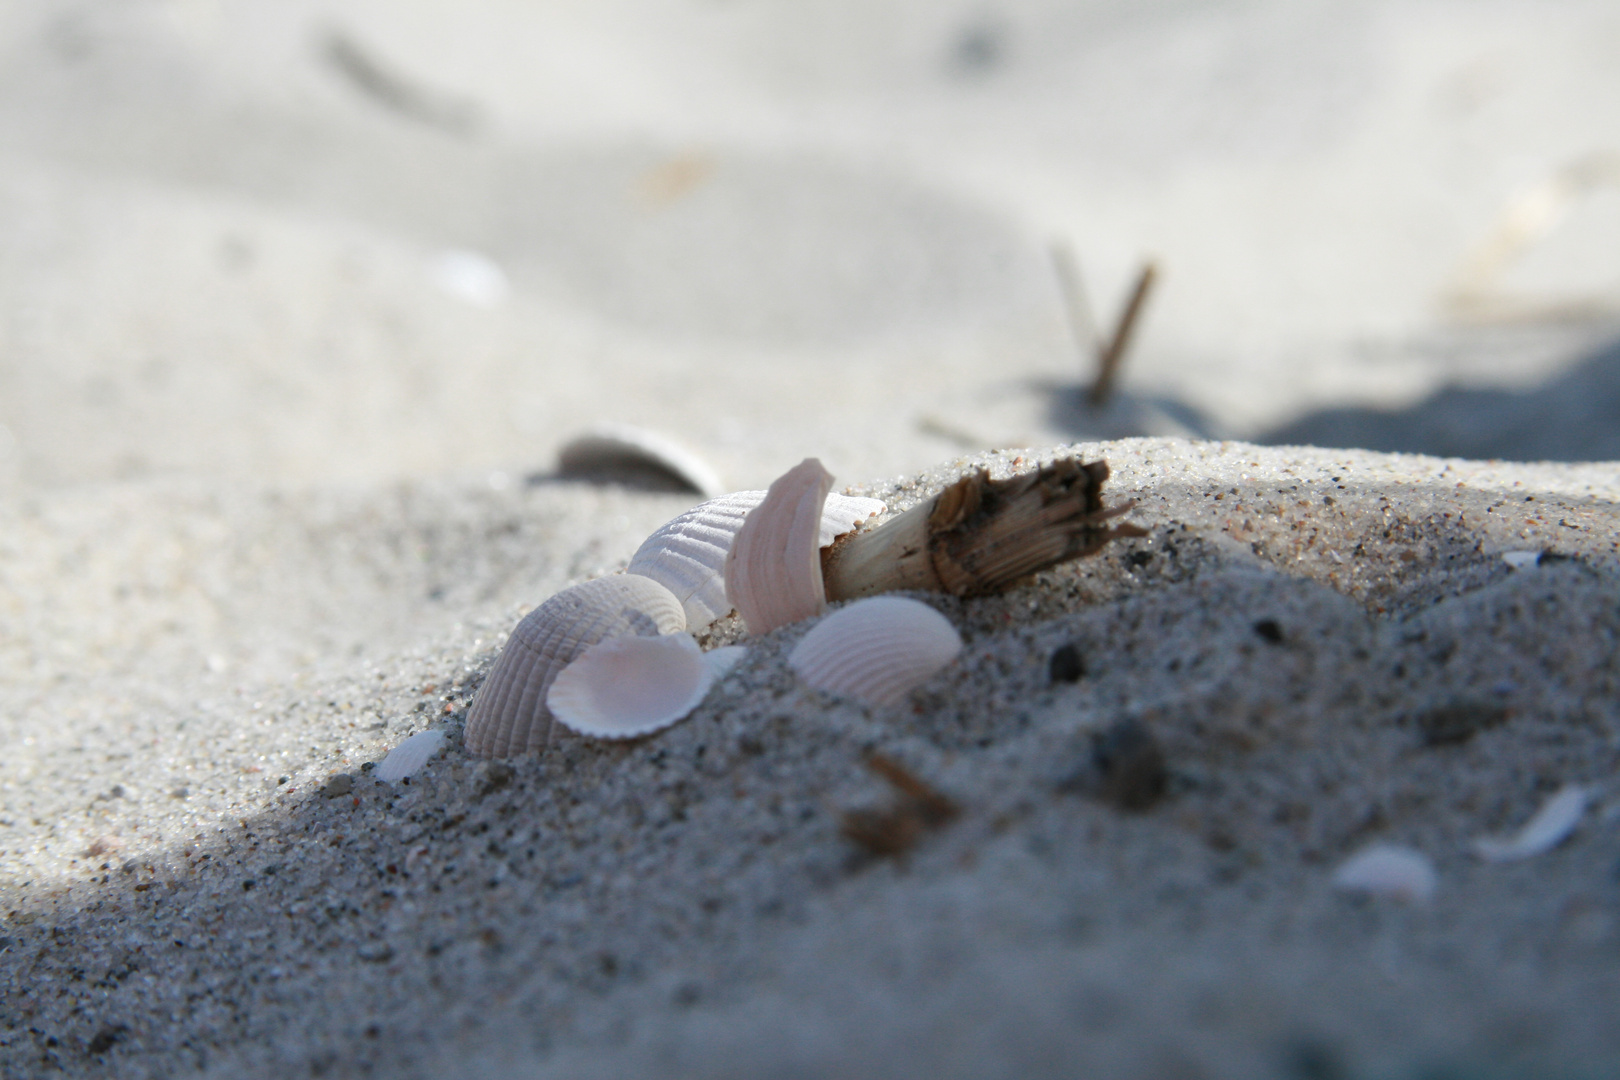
[(687, 554), (408, 757), (624, 687), (876, 649), (509, 715), (609, 449), (773, 570)]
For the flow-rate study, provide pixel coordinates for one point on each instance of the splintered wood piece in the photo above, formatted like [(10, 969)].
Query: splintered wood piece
[(894, 830), (981, 536)]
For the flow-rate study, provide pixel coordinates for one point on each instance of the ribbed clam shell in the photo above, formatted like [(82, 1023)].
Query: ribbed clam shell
[(773, 570), (509, 716), (687, 555), (610, 449), (624, 687), (876, 650), (408, 757)]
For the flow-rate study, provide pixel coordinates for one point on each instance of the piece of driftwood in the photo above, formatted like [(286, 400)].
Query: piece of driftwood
[(981, 536)]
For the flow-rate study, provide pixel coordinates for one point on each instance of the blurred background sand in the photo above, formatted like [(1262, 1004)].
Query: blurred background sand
[(316, 242)]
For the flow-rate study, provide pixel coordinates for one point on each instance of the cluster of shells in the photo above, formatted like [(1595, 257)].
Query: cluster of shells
[(615, 657)]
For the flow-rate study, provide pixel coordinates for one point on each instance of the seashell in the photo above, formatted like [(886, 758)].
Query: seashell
[(687, 555), (1389, 871), (1547, 828), (408, 757), (622, 452), (628, 686), (773, 570), (876, 650), (509, 715)]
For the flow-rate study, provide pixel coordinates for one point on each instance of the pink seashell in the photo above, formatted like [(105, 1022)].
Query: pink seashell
[(624, 687), (773, 570), (876, 650), (687, 554), (509, 715)]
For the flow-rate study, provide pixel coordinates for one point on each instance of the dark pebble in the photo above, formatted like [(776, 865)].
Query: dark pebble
[(1270, 630), (1067, 664), (1458, 721), (1130, 767)]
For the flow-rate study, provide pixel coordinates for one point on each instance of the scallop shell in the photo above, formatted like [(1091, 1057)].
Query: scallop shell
[(624, 687), (509, 715), (408, 757), (619, 450), (876, 650), (773, 570), (687, 555)]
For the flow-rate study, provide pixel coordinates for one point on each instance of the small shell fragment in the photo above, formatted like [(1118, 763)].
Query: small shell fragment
[(509, 715), (687, 555), (625, 452), (876, 650), (773, 570), (1388, 871), (1547, 828), (629, 686), (1521, 560), (408, 757)]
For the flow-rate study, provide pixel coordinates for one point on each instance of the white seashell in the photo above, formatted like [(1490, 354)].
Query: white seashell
[(687, 555), (1388, 871), (773, 570), (877, 649), (509, 716), (1545, 830), (620, 448), (841, 513), (408, 757), (629, 686), (1521, 560)]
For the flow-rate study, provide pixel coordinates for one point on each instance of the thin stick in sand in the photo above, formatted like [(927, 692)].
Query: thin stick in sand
[(1112, 355)]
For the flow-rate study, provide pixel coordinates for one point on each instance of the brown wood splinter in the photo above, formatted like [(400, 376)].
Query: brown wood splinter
[(896, 829), (981, 536)]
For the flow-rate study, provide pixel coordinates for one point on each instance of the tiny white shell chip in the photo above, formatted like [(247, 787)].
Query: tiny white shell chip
[(1521, 560), (687, 554), (622, 447), (629, 686), (1545, 830), (408, 757), (471, 276), (876, 650), (773, 570), (1388, 871)]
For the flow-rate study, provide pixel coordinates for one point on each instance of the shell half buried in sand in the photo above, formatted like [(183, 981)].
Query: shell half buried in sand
[(876, 650), (625, 687), (510, 716), (687, 554), (773, 570)]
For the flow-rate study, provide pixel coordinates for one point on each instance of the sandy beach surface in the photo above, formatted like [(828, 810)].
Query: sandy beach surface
[(298, 303)]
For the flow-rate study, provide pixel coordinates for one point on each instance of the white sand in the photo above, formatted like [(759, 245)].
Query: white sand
[(272, 494)]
